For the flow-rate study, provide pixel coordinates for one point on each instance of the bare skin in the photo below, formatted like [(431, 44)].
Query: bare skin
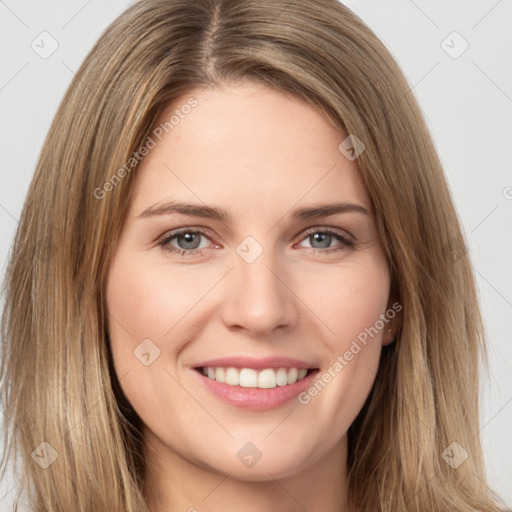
[(259, 155)]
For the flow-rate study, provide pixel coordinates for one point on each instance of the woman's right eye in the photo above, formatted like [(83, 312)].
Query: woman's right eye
[(185, 242)]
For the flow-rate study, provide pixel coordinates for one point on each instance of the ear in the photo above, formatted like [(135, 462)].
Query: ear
[(393, 317)]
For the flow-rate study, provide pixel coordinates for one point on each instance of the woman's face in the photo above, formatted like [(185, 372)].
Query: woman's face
[(231, 257)]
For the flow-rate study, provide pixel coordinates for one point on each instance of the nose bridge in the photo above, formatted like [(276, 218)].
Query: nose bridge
[(258, 299)]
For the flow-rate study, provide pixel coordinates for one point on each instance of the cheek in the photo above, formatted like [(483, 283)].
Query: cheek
[(151, 301), (151, 313), (145, 301), (348, 300), (351, 305)]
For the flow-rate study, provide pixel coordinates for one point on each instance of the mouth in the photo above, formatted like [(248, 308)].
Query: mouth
[(255, 389), (265, 378)]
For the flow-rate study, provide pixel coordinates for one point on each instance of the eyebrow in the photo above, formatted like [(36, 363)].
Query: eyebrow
[(210, 212)]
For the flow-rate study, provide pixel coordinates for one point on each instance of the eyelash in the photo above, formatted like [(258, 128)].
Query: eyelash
[(164, 242)]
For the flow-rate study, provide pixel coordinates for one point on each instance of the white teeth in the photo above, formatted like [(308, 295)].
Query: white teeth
[(232, 376), (293, 373), (220, 375), (251, 378), (282, 377), (248, 378), (267, 379)]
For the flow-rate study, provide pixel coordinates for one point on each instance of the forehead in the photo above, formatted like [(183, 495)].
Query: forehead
[(246, 144)]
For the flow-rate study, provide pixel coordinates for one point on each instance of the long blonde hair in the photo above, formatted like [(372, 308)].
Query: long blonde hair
[(58, 386)]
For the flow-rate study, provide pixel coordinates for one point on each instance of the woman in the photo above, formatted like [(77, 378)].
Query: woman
[(239, 279)]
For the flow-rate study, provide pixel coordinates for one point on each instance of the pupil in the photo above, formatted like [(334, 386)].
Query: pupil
[(190, 243), (323, 238)]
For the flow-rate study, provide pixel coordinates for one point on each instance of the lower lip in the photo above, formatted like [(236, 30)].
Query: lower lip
[(256, 399)]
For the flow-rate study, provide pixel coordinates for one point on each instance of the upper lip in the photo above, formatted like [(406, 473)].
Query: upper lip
[(257, 364)]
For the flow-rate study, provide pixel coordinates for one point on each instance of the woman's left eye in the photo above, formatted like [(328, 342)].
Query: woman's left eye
[(321, 239), (188, 242)]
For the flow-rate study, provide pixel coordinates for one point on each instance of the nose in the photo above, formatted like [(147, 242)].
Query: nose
[(258, 298)]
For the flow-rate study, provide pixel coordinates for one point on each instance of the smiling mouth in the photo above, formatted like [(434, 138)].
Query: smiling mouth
[(250, 378)]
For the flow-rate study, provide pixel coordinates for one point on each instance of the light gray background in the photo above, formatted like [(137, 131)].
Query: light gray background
[(467, 102)]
